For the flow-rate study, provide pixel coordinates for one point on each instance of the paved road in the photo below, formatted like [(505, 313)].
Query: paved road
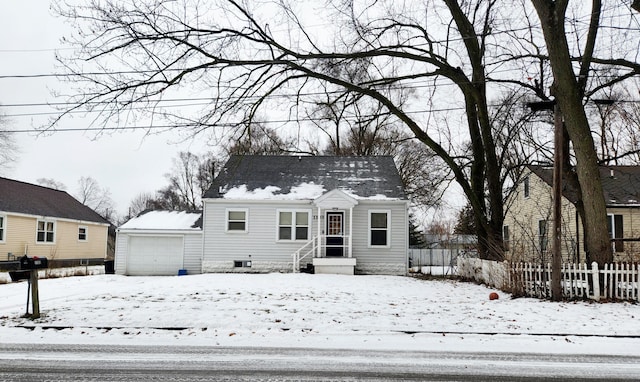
[(28, 362)]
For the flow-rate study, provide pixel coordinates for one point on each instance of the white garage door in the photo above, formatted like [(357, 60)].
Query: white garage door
[(154, 255)]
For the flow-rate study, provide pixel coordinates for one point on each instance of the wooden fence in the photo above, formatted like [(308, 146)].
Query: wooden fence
[(618, 281)]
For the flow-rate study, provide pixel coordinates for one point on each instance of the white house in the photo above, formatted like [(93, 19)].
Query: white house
[(321, 213), (160, 243)]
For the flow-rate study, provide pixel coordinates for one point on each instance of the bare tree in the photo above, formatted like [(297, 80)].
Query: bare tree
[(183, 179), (570, 90), (7, 144), (141, 202), (455, 50), (51, 183), (98, 198), (190, 176), (257, 139)]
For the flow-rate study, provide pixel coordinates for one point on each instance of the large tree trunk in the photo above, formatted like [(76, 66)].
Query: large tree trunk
[(568, 94), (485, 170)]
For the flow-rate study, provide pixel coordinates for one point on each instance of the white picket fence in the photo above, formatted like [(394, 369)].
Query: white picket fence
[(619, 281)]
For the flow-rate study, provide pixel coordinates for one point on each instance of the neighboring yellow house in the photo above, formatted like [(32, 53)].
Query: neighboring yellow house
[(528, 224), (43, 222)]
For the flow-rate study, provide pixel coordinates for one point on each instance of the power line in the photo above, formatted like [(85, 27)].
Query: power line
[(224, 124), (203, 103)]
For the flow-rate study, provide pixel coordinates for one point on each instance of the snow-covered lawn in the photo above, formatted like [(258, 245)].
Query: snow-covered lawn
[(302, 310)]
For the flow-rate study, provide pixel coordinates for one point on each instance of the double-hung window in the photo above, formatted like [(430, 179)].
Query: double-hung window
[(46, 231), (237, 220), (616, 231), (3, 227), (379, 228), (293, 224), (542, 235), (82, 233)]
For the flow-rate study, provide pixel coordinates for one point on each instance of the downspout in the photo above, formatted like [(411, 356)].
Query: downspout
[(319, 249), (406, 237), (350, 230)]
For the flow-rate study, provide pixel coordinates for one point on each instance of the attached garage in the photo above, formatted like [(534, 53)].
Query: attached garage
[(160, 243)]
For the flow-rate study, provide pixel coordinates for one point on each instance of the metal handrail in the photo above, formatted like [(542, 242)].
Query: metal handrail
[(296, 255), (322, 242)]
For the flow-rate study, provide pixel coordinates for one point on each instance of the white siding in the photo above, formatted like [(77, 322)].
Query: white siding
[(191, 250), (392, 260), (260, 245), (193, 253), (122, 248)]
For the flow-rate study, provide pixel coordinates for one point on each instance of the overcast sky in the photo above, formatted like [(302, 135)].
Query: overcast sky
[(125, 162)]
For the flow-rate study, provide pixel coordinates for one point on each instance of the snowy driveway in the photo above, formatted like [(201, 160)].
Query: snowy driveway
[(312, 311)]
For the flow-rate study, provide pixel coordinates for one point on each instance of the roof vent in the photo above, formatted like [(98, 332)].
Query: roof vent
[(611, 174)]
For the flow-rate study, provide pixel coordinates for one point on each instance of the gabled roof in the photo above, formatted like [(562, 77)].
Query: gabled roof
[(620, 184), (31, 199), (307, 177), (165, 220)]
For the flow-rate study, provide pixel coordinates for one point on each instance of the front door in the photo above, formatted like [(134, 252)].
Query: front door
[(335, 232)]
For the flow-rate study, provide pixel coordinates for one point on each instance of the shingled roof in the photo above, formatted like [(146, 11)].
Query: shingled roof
[(31, 199), (282, 176), (620, 184)]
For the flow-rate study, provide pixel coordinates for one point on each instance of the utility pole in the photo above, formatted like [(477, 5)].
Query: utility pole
[(558, 158), (556, 257)]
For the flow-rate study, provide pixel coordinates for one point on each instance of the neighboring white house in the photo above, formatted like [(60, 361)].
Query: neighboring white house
[(323, 213), (160, 243)]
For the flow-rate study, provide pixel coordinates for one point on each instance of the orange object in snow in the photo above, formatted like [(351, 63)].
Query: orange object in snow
[(493, 296)]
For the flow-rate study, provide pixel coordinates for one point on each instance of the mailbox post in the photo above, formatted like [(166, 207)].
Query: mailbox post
[(33, 264)]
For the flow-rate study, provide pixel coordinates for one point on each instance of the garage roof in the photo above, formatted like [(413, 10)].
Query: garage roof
[(165, 220)]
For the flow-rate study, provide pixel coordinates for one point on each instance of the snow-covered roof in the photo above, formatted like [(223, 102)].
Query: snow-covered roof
[(165, 220), (301, 191), (264, 177)]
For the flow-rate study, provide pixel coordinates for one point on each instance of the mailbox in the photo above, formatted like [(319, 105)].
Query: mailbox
[(34, 262)]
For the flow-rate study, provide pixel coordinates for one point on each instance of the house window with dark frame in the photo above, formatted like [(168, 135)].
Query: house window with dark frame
[(82, 233), (506, 238), (293, 225), (616, 231), (45, 231), (542, 235), (3, 228), (379, 228), (525, 186), (237, 220)]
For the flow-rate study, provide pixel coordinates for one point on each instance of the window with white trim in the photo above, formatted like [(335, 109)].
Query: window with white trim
[(82, 233), (379, 228), (3, 227), (293, 224), (46, 231), (237, 220), (525, 186), (615, 228)]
